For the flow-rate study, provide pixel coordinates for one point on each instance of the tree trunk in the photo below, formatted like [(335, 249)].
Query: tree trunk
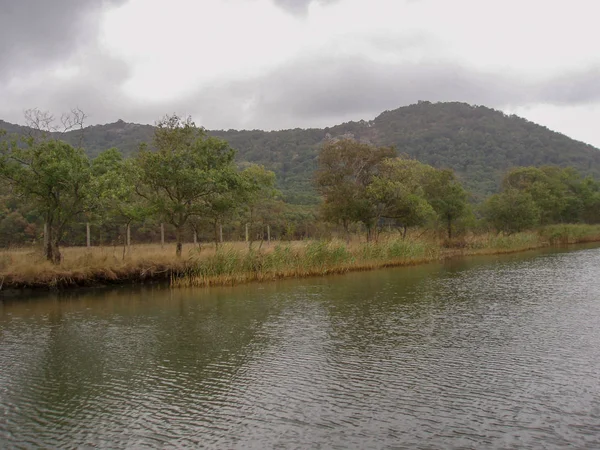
[(404, 233), (127, 241), (179, 241), (346, 231), (216, 229), (247, 237), (50, 249), (56, 256), (88, 240), (195, 238), (46, 240), (220, 232), (269, 234), (449, 229), (162, 235)]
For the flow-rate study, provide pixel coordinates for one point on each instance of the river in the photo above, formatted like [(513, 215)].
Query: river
[(488, 352)]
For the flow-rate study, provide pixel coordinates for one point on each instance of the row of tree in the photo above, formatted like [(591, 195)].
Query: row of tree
[(361, 183), (182, 177), (190, 181)]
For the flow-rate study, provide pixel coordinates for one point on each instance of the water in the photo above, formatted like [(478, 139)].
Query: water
[(499, 352)]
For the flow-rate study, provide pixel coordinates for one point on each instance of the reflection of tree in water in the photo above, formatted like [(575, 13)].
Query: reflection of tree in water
[(111, 358)]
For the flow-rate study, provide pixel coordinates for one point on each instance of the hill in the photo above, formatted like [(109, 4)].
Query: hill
[(479, 143)]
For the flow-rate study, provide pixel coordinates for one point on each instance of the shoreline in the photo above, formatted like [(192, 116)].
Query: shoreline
[(231, 266)]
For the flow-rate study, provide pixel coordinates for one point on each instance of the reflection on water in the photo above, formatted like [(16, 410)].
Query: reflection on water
[(499, 352)]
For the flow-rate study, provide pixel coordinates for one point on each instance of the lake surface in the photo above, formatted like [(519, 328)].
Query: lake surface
[(495, 352)]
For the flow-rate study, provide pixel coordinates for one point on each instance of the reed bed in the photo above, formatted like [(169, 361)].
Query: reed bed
[(236, 262), (229, 265)]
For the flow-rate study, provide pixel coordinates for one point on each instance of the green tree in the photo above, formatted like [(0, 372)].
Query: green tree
[(346, 169), (397, 191), (258, 196), (557, 192), (114, 182), (182, 171), (446, 195), (52, 175), (511, 211)]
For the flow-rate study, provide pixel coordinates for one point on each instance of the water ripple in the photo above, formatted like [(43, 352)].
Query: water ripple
[(502, 353)]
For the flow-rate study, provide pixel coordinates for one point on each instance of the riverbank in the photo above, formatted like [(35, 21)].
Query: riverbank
[(234, 263)]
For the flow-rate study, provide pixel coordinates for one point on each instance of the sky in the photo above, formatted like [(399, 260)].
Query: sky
[(274, 64)]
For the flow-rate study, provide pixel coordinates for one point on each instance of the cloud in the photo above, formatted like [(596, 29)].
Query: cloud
[(572, 88), (299, 6), (306, 92), (295, 6), (289, 63), (39, 32)]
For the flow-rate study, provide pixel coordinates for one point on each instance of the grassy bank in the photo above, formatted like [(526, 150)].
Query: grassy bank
[(234, 263), (231, 266)]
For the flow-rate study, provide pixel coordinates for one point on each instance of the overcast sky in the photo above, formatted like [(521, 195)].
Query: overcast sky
[(275, 64)]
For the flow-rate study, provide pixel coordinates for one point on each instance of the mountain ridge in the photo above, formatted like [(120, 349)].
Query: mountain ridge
[(478, 142)]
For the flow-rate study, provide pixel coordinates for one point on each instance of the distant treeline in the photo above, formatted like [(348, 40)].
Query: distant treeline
[(186, 185), (480, 144)]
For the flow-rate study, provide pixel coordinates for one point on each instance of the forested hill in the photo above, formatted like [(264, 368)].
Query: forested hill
[(478, 142)]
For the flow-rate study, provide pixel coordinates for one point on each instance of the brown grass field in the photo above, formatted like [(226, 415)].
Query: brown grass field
[(234, 263)]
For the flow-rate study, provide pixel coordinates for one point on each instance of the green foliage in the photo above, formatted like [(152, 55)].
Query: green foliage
[(397, 191), (569, 233), (316, 257), (258, 196), (478, 143), (346, 170), (182, 171), (546, 195), (114, 182), (513, 242), (54, 177), (447, 197), (512, 211)]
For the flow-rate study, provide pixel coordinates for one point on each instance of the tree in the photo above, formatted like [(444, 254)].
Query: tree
[(114, 182), (446, 195), (182, 171), (54, 176), (511, 211), (346, 168), (258, 195), (397, 191), (557, 192)]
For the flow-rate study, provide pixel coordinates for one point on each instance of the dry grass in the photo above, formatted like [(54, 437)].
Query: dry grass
[(234, 263), (80, 266)]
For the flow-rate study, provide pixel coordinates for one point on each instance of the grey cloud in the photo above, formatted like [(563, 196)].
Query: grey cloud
[(298, 6), (96, 90), (572, 88), (327, 90), (324, 91), (37, 32), (318, 91)]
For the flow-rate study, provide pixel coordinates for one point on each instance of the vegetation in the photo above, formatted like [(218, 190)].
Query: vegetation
[(186, 183), (54, 178), (480, 144), (233, 263)]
